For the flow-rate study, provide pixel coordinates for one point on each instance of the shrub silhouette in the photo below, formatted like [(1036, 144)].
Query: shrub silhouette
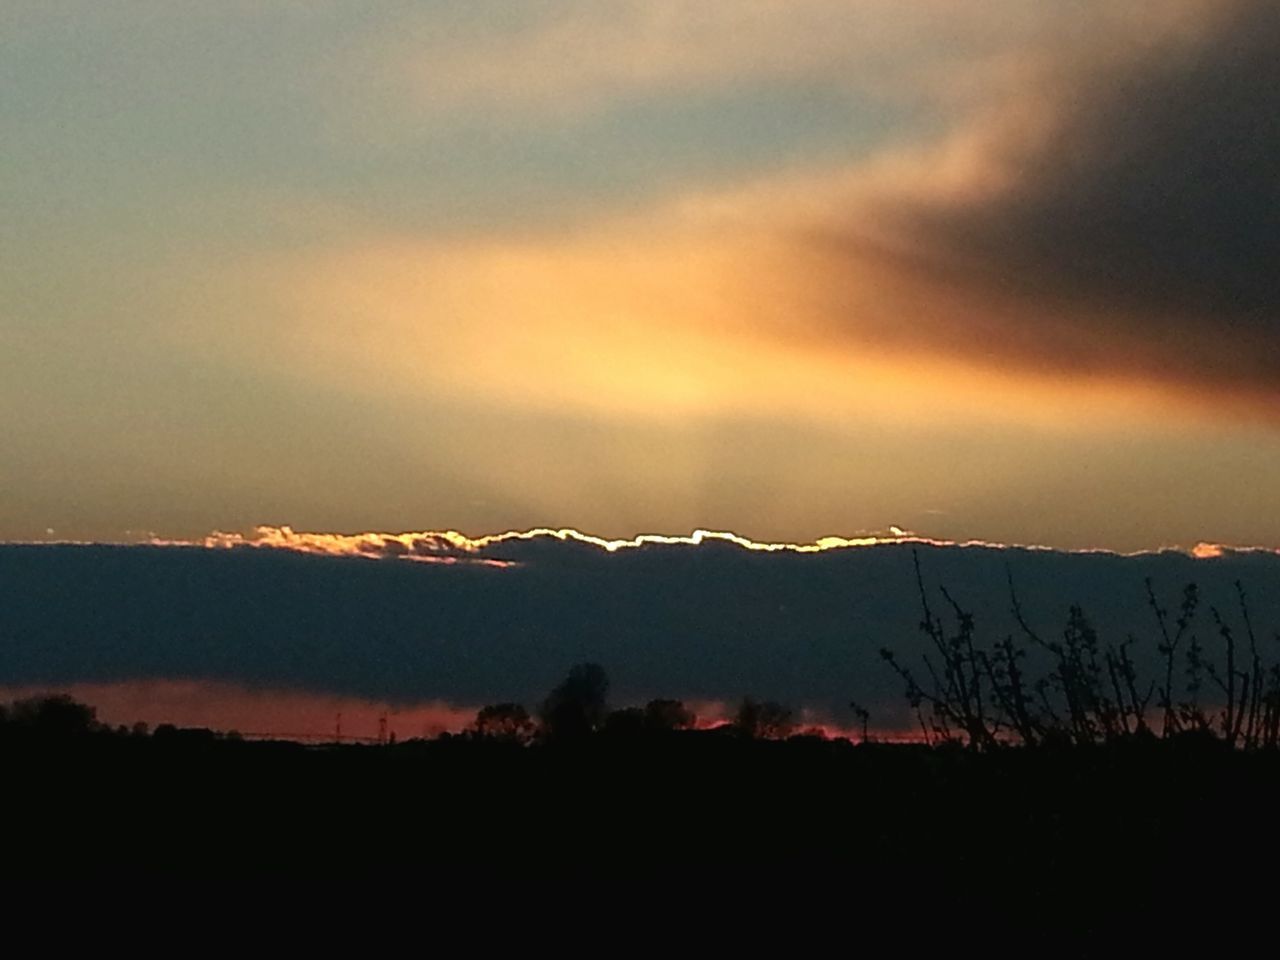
[(1092, 692)]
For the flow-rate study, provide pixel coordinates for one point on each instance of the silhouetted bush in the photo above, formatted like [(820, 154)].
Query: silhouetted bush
[(1092, 692)]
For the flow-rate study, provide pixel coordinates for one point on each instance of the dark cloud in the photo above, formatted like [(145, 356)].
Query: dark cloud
[(707, 622), (1140, 229)]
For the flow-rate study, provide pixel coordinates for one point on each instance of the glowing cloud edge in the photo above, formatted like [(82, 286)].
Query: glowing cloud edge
[(453, 547)]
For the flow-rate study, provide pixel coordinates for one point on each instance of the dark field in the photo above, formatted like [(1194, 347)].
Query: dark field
[(189, 800)]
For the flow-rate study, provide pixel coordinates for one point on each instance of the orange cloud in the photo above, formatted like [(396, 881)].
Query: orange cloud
[(689, 312), (446, 547), (893, 292), (452, 547)]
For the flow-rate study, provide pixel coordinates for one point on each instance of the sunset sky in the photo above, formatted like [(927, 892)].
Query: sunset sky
[(998, 270)]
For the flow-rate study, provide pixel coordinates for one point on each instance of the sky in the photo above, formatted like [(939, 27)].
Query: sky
[(283, 636), (992, 270)]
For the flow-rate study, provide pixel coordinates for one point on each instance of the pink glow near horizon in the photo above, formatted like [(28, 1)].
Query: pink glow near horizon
[(227, 706), (301, 715)]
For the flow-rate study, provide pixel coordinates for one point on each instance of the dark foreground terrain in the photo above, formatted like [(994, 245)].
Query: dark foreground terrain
[(189, 800)]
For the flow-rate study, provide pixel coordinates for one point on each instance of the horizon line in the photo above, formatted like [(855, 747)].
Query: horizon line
[(452, 547)]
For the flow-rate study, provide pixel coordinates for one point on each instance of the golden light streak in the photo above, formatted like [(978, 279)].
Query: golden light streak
[(452, 547), (715, 304)]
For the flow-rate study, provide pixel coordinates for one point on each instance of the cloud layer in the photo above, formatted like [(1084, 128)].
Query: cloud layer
[(710, 621), (1116, 215), (783, 267)]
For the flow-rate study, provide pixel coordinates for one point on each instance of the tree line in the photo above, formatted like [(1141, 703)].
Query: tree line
[(578, 707)]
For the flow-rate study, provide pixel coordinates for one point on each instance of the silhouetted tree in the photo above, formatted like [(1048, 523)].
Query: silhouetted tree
[(504, 721), (668, 715), (577, 706), (627, 722), (863, 715), (657, 716), (767, 720), (60, 715)]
